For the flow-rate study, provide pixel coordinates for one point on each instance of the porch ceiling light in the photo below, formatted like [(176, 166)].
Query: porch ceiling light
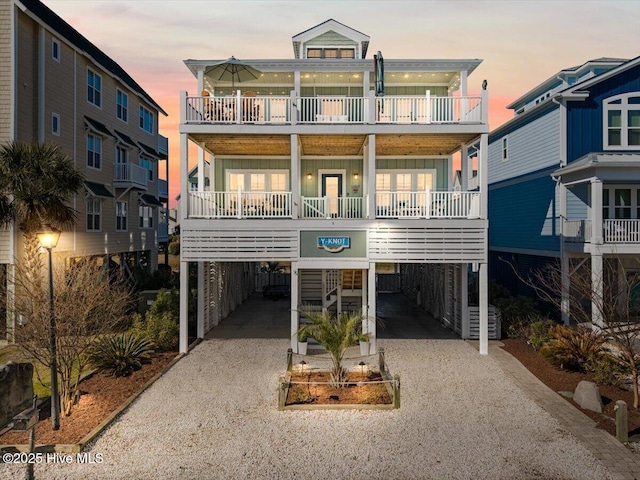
[(356, 176), (309, 176)]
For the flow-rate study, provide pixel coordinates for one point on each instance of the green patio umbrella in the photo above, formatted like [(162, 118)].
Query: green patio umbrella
[(232, 70)]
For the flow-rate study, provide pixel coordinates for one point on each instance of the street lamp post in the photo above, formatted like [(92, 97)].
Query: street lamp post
[(48, 237)]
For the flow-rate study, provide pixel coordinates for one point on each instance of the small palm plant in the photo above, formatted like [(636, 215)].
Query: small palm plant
[(120, 354), (335, 334)]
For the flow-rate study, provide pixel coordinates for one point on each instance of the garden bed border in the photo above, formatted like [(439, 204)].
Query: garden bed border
[(89, 437)]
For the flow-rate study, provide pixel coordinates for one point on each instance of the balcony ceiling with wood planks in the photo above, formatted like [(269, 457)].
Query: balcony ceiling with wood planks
[(334, 145)]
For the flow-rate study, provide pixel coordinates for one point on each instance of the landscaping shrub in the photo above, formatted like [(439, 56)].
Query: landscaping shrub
[(120, 354), (160, 324), (540, 333), (174, 248), (574, 348), (608, 371), (514, 315)]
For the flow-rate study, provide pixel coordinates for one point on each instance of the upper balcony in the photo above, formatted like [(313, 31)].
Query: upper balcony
[(292, 110), (129, 175), (387, 205)]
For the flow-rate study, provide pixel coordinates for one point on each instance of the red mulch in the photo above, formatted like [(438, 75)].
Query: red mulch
[(101, 395), (563, 380)]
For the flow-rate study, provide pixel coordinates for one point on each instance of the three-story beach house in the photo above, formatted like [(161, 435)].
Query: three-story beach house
[(58, 87), (335, 162), (564, 177)]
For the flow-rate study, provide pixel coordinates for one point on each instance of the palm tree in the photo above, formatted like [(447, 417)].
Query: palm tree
[(36, 181), (335, 335)]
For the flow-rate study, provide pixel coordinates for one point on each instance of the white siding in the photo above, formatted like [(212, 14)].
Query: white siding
[(532, 147)]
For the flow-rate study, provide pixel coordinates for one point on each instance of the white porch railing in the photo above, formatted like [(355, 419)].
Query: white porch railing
[(613, 231), (129, 174), (328, 207), (238, 109), (240, 204), (428, 109), (621, 231), (332, 109), (425, 109), (427, 204)]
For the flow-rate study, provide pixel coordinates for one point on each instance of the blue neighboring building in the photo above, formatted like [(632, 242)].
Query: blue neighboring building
[(564, 176)]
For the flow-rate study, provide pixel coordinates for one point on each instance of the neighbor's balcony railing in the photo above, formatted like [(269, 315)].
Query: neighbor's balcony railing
[(129, 174), (332, 207), (424, 109), (613, 231), (240, 204), (427, 204)]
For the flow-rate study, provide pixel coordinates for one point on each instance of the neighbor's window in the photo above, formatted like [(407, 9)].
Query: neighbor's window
[(55, 124), (331, 53), (94, 151), (505, 149), (122, 102), (622, 122), (146, 216), (94, 88), (55, 50), (146, 119), (121, 216), (94, 208), (147, 164)]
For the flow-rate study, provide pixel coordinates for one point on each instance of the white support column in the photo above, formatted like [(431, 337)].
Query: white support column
[(201, 299), (184, 306), (463, 83), (483, 285), (295, 176), (212, 173), (295, 316), (200, 80), (323, 288), (597, 287), (370, 158), (296, 82), (184, 176), (201, 153), (41, 82), (371, 308), (596, 213), (366, 84), (363, 299), (465, 168), (483, 160), (464, 300)]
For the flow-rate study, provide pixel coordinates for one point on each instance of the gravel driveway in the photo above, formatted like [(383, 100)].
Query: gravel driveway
[(213, 416)]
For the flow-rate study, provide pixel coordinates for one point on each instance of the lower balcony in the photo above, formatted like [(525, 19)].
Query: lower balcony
[(398, 205), (613, 231)]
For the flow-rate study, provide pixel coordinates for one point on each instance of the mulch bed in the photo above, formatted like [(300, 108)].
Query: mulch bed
[(314, 390), (563, 380), (101, 395)]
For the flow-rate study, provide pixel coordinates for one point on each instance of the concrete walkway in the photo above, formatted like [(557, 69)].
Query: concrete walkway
[(614, 455)]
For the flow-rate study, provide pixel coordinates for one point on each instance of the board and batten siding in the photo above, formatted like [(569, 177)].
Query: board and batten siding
[(585, 118), (532, 147), (524, 213)]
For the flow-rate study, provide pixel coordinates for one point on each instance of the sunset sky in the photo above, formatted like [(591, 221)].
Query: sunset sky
[(522, 43)]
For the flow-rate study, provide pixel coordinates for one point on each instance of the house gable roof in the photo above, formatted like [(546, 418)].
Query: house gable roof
[(575, 90), (327, 26), (46, 16)]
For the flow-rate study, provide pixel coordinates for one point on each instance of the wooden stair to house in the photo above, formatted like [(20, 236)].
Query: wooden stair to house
[(351, 280)]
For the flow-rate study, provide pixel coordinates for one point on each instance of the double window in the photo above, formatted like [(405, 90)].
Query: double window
[(94, 151), (122, 105), (405, 188), (94, 209), (146, 119), (622, 122), (121, 216), (94, 88)]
